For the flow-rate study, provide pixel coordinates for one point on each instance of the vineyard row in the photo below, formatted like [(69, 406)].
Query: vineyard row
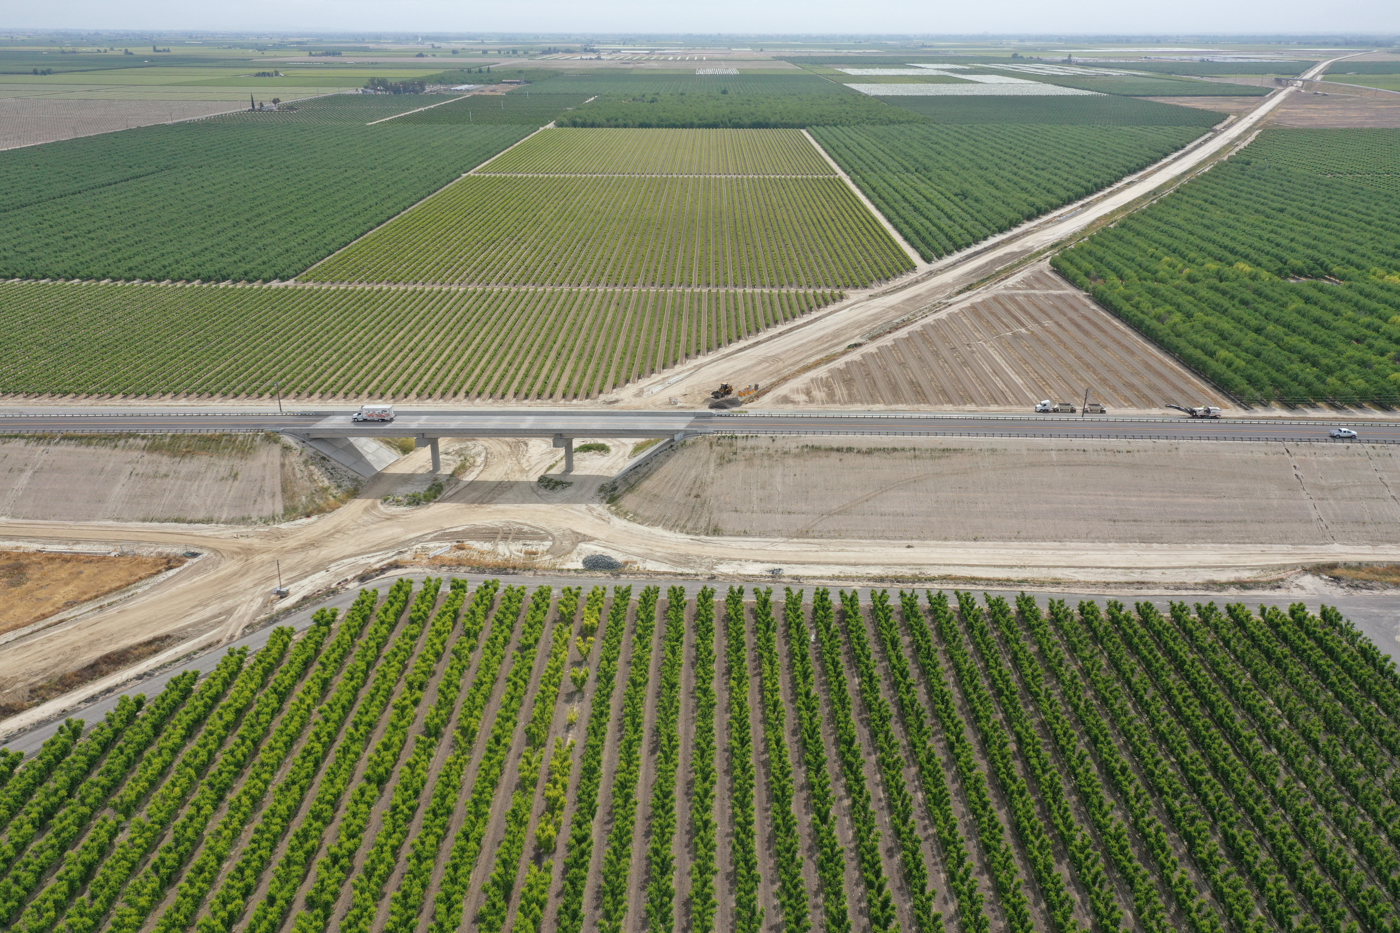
[(450, 756)]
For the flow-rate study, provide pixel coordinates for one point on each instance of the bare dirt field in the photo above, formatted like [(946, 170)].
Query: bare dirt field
[(193, 478), (1339, 111), (37, 584), (971, 489), (1231, 105), (1035, 337), (29, 121)]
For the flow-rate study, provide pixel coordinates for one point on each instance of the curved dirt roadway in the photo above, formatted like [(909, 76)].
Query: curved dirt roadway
[(771, 358)]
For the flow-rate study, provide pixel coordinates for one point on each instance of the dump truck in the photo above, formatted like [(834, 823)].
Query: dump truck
[(1203, 411), (1095, 408), (1046, 406), (374, 413)]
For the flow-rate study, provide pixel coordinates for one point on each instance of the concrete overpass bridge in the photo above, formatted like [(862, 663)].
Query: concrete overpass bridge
[(334, 433)]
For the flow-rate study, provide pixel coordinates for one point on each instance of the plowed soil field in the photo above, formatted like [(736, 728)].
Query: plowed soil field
[(1036, 337)]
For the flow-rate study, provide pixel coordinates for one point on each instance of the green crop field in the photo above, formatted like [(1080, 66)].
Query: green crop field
[(946, 187), (648, 84), (739, 111), (513, 107), (662, 152), (702, 230), (138, 340), (1210, 69), (462, 754), (1085, 110), (707, 232), (221, 199), (334, 108), (1276, 274), (1140, 86), (1344, 68)]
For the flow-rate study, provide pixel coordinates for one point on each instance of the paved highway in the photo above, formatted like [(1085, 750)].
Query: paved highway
[(547, 423)]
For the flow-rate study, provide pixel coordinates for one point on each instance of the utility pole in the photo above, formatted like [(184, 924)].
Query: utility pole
[(1084, 409), (278, 386)]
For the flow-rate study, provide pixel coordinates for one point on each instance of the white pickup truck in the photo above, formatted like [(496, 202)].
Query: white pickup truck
[(374, 413)]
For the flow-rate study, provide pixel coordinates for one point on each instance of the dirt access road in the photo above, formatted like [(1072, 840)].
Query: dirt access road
[(778, 356), (214, 599)]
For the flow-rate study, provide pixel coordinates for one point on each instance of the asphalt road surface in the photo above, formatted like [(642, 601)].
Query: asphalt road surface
[(546, 423)]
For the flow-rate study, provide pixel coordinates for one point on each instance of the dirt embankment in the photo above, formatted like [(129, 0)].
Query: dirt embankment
[(188, 478), (984, 489)]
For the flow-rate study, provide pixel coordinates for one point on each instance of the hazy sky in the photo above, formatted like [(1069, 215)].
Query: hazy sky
[(728, 16)]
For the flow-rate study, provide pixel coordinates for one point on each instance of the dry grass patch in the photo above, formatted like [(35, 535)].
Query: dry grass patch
[(37, 584)]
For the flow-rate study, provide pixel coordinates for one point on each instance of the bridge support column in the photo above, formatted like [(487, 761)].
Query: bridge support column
[(432, 443), (568, 444)]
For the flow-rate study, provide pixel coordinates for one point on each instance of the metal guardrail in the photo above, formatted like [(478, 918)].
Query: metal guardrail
[(1271, 439)]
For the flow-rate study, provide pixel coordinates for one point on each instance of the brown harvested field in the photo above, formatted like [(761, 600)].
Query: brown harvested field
[(1234, 106), (216, 478), (1035, 337), (1339, 111), (28, 121), (971, 489), (36, 584)]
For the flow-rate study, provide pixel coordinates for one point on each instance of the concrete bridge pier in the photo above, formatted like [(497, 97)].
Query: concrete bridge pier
[(432, 442), (568, 444)]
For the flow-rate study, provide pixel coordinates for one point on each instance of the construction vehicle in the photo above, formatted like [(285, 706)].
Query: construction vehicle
[(1204, 411), (374, 413), (1095, 408), (724, 391), (1046, 406)]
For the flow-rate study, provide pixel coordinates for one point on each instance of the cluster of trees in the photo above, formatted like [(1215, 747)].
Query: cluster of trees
[(1049, 786), (787, 840), (1299, 845), (957, 861), (1273, 280), (333, 868), (406, 902), (1006, 876), (704, 868), (386, 86), (73, 794), (1117, 842), (748, 913), (578, 856), (737, 111), (617, 857), (661, 862), (1192, 822), (1024, 816), (466, 846), (831, 855), (501, 883), (147, 890), (947, 187), (534, 891), (132, 205), (889, 758), (368, 885)]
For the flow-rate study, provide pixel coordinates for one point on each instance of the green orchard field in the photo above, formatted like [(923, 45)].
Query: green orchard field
[(424, 343), (222, 199), (946, 187), (452, 755), (661, 152), (1276, 275), (552, 224)]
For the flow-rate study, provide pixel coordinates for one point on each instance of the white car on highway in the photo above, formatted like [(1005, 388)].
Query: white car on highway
[(1342, 434)]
